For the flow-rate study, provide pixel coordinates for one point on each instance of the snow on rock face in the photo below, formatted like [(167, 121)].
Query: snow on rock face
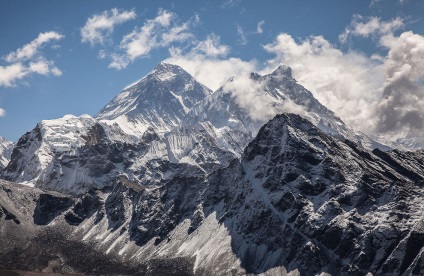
[(75, 154), (160, 100), (66, 134), (6, 148), (298, 200), (57, 155)]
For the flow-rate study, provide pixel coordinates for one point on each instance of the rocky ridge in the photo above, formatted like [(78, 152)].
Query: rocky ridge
[(297, 201)]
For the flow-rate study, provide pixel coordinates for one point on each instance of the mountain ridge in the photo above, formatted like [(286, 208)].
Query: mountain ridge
[(297, 201)]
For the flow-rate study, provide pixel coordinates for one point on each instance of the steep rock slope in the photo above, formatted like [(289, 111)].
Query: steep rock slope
[(298, 200), (5, 151)]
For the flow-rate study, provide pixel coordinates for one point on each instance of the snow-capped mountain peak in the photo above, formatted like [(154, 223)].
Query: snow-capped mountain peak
[(282, 71), (160, 100)]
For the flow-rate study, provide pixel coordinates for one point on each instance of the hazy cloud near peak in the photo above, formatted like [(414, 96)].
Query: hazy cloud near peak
[(346, 83), (209, 63), (250, 95), (99, 26)]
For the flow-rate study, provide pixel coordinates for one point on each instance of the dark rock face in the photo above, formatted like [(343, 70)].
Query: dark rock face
[(297, 199), (49, 207)]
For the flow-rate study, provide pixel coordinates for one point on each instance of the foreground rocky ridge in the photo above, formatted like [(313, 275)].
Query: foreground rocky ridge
[(298, 200)]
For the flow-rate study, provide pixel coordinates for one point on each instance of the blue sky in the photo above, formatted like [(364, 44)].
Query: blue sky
[(72, 57)]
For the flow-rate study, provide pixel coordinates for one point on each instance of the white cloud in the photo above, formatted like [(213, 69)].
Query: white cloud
[(207, 61), (31, 49), (249, 95), (28, 60), (369, 26), (43, 67), (162, 31), (242, 36), (402, 104), (11, 73), (212, 47), (100, 26), (176, 34), (2, 112), (259, 28)]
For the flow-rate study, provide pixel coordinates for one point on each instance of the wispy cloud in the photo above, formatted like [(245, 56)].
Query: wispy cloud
[(28, 60), (98, 27), (242, 38), (31, 49), (212, 47), (161, 31), (259, 28), (2, 112), (370, 26), (375, 3), (230, 4)]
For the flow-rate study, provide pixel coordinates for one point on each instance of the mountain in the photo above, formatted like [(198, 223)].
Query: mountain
[(75, 154), (163, 125), (5, 151), (160, 100), (235, 117), (298, 201), (125, 140)]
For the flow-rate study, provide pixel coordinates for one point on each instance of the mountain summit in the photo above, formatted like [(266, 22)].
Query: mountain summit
[(159, 100)]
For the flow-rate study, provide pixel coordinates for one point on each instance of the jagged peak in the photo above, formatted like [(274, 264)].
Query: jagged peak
[(168, 70), (167, 66), (293, 120), (282, 70), (4, 140)]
